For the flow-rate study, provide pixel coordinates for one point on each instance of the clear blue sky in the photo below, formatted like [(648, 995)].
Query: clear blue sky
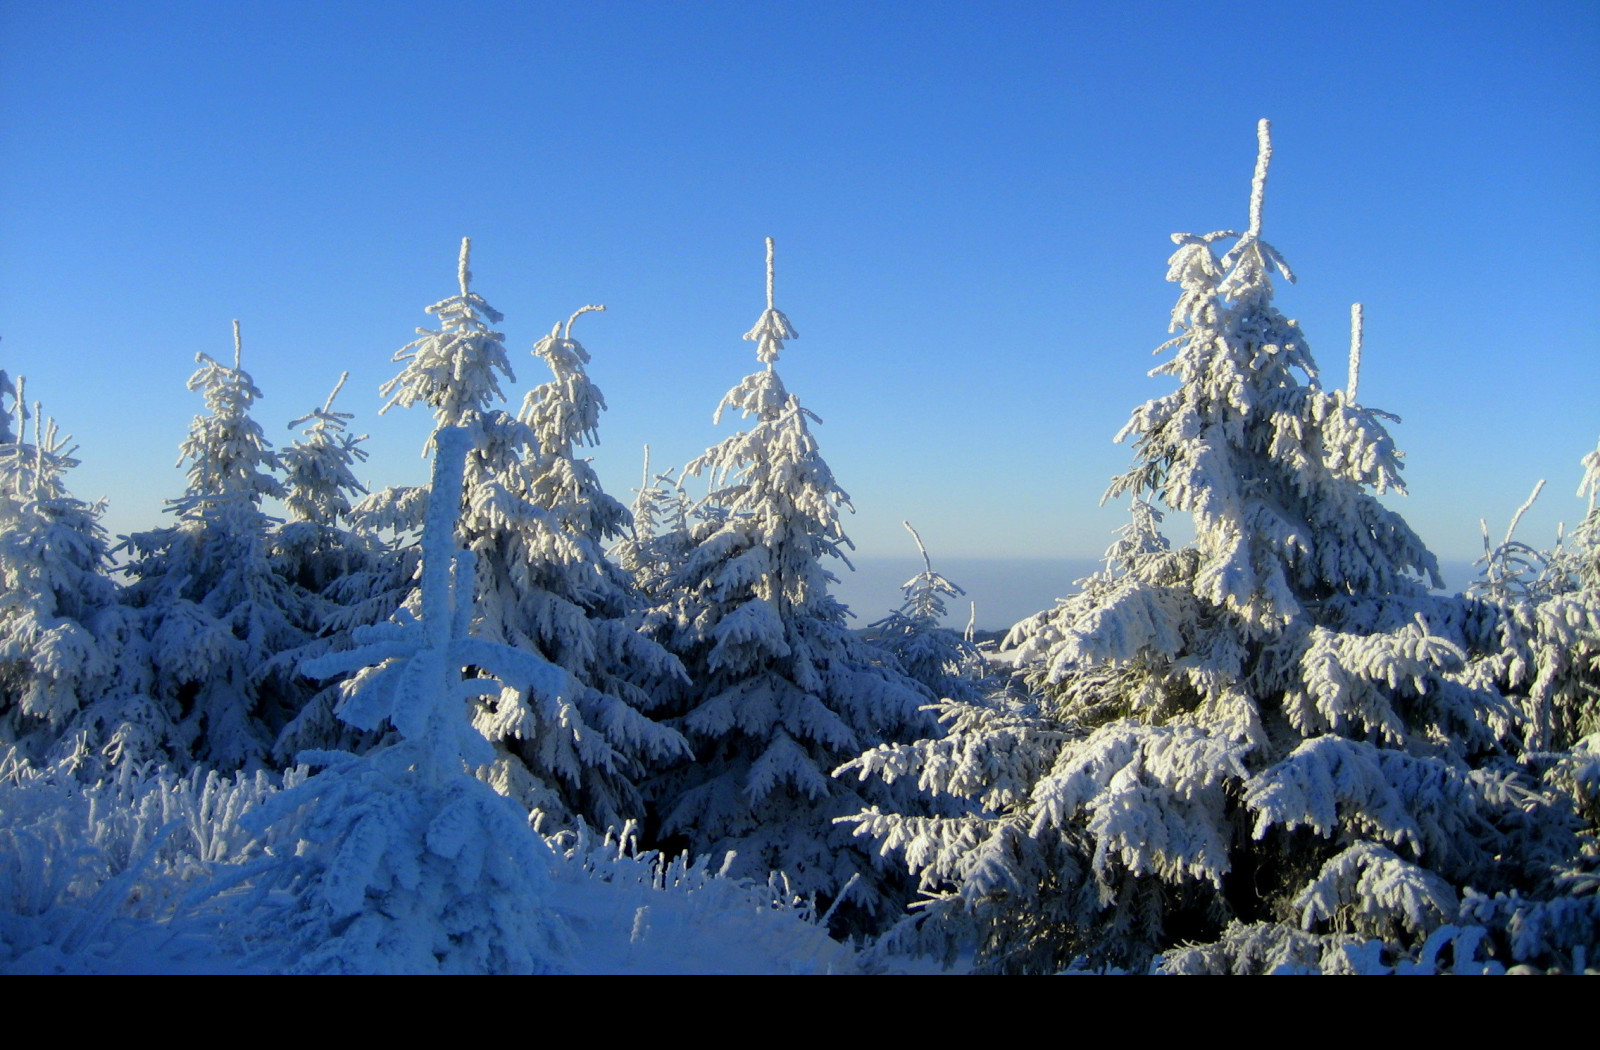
[(971, 204)]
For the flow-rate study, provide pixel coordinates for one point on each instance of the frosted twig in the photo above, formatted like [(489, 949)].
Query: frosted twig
[(238, 345), (926, 563), (567, 332), (1258, 184), (328, 406), (1355, 353), (463, 274), (1523, 509), (855, 878)]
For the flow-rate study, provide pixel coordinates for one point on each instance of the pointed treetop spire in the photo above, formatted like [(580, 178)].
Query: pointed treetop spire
[(238, 345), (1250, 259), (1258, 184), (772, 328), (463, 274), (1355, 353), (769, 273)]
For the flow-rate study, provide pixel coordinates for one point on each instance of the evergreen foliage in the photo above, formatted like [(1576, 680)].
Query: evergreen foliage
[(331, 564), (534, 516), (1272, 724), (58, 607), (946, 664), (783, 691), (215, 610), (407, 862)]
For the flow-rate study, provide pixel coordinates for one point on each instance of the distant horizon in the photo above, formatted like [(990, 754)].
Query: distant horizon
[(1006, 590)]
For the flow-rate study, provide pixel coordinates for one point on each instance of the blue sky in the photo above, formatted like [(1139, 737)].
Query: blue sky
[(971, 204)]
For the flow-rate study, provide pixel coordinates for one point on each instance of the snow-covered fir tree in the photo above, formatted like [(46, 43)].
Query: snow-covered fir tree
[(216, 611), (1536, 613), (534, 516), (58, 606), (407, 862), (658, 541), (783, 691), (332, 564), (947, 664), (1265, 726)]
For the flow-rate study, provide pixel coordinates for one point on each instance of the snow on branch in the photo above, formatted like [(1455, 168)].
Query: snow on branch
[(1356, 327), (772, 328), (1258, 184)]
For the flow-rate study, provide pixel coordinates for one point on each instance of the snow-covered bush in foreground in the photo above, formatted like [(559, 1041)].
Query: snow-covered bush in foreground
[(105, 869), (119, 870), (408, 862), (1275, 724)]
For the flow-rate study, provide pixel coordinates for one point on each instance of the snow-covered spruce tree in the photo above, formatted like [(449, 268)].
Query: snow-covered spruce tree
[(408, 863), (1261, 727), (783, 691), (216, 612), (946, 664), (315, 546), (332, 564), (658, 541), (55, 594), (1537, 614), (534, 517)]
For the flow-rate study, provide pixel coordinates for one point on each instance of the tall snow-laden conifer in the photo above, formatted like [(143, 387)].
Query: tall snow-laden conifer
[(783, 691), (331, 564), (56, 599), (1269, 725), (534, 516), (216, 612)]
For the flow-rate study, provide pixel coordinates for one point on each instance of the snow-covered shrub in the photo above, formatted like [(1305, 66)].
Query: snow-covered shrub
[(637, 911), (407, 862), (107, 868)]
